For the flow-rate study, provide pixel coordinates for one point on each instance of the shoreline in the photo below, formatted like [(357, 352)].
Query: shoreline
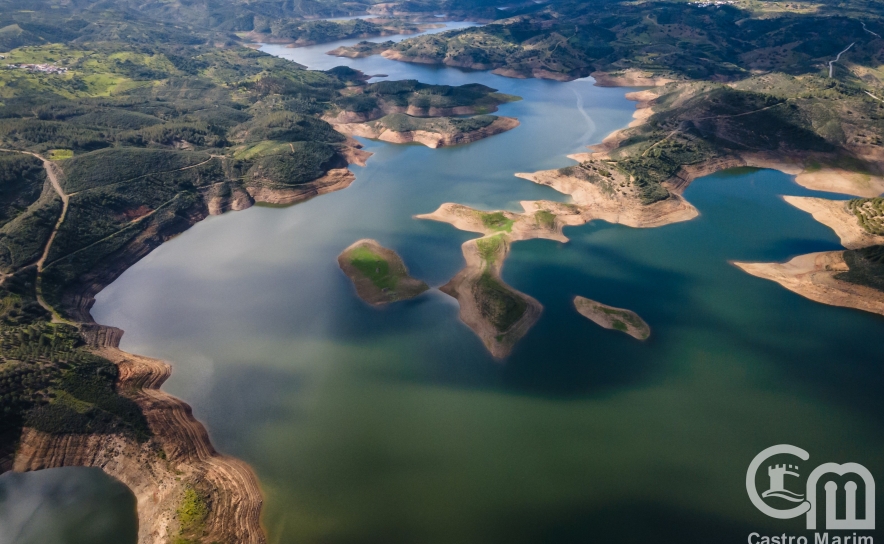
[(433, 140), (835, 215), (188, 459), (826, 179), (178, 456), (813, 276)]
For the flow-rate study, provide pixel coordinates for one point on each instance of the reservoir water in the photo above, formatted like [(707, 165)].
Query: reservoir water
[(69, 505), (395, 425)]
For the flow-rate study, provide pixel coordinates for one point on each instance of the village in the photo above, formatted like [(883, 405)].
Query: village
[(45, 68)]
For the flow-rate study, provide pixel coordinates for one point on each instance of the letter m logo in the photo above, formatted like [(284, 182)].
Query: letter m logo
[(850, 520)]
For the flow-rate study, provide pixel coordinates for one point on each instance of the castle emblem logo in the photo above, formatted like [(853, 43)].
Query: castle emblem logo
[(785, 475)]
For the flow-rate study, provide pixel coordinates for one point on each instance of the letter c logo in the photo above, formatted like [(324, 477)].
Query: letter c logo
[(753, 493)]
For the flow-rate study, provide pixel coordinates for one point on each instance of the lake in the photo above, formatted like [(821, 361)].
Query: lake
[(395, 425)]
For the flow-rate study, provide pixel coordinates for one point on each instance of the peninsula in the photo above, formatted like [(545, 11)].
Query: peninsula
[(400, 128), (378, 273), (610, 317)]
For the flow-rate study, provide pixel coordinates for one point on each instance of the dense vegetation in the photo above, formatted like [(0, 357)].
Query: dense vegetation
[(421, 99), (866, 267), (310, 32), (671, 39), (400, 122), (870, 214), (498, 303), (48, 380), (808, 118)]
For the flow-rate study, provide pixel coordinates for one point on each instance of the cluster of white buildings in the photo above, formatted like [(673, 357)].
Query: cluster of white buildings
[(707, 4), (45, 68)]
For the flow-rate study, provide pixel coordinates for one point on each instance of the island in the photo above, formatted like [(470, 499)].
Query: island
[(367, 102), (610, 317), (401, 128), (498, 314), (378, 273), (361, 50)]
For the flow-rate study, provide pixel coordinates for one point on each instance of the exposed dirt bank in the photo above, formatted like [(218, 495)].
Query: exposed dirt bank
[(629, 78), (344, 117), (813, 276), (608, 199), (178, 456), (430, 139), (835, 215)]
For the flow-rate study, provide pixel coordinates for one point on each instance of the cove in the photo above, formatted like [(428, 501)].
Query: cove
[(70, 505), (395, 425)]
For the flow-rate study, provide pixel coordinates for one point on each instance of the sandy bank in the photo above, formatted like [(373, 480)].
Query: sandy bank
[(838, 180), (835, 215), (613, 318), (813, 276), (629, 78), (380, 286), (334, 180), (609, 199), (376, 131), (521, 227), (178, 455)]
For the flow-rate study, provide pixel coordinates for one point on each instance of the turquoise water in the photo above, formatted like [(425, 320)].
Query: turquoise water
[(66, 506), (395, 425)]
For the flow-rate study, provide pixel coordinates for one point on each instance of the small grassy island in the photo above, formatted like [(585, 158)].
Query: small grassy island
[(610, 317), (378, 273)]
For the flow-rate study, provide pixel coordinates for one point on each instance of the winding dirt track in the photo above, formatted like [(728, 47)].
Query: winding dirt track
[(53, 172)]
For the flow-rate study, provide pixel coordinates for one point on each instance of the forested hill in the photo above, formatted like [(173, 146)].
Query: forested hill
[(34, 22), (118, 131)]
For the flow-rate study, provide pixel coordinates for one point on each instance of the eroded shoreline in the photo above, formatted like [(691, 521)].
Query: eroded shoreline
[(179, 456)]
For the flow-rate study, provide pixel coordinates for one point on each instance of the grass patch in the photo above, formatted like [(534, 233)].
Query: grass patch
[(545, 219), (374, 267), (490, 247), (191, 514), (60, 154), (497, 221)]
